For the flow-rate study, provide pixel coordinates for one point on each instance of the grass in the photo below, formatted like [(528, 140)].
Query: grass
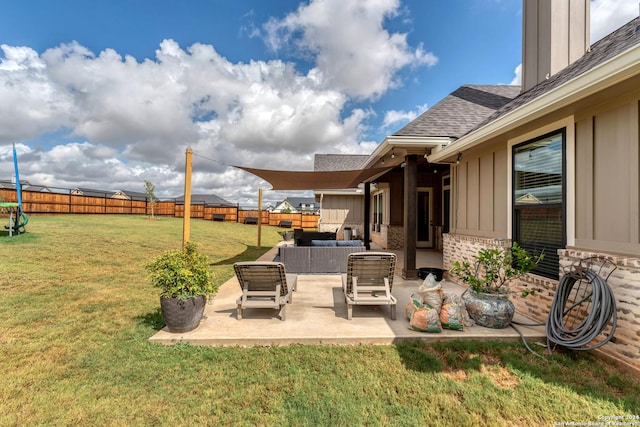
[(76, 314)]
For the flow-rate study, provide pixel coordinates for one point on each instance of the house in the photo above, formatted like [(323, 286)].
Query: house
[(119, 194), (304, 205), (37, 189), (340, 208), (10, 184), (552, 165), (105, 194), (207, 200), (132, 195)]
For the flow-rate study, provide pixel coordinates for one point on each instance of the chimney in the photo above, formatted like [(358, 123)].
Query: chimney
[(555, 33)]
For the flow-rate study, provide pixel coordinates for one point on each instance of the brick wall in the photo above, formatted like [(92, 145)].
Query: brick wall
[(622, 273), (379, 238), (395, 237), (624, 281)]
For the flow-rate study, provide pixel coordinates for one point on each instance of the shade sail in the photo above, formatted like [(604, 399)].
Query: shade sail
[(324, 180)]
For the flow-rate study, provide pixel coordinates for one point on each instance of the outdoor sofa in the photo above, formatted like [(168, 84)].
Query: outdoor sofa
[(320, 257)]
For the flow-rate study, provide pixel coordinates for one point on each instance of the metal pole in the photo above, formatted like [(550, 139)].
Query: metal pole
[(186, 221), (260, 218), (18, 184)]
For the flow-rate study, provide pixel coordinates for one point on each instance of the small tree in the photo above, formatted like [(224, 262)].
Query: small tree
[(149, 189)]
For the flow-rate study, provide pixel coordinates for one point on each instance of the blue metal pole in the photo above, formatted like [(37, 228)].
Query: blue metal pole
[(18, 186)]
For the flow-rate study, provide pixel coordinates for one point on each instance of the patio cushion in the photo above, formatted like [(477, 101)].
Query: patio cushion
[(316, 259), (323, 243), (349, 243)]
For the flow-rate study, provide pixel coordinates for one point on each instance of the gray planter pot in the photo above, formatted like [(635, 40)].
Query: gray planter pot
[(182, 315), (489, 310)]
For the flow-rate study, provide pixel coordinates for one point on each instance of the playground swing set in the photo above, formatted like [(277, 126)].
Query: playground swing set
[(17, 218)]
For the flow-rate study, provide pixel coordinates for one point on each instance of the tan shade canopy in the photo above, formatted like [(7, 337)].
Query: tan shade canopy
[(325, 180)]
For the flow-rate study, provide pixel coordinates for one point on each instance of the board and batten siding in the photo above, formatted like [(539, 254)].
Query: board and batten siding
[(607, 178), (339, 209), (603, 183), (480, 193)]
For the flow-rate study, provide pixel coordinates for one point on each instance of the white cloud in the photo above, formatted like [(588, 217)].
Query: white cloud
[(517, 78), (397, 117), (352, 51), (608, 15), (260, 113), (31, 102), (121, 121), (140, 116)]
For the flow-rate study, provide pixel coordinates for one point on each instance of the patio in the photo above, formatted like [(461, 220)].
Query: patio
[(318, 315)]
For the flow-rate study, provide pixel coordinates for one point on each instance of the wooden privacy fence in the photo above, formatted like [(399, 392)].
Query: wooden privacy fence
[(39, 203)]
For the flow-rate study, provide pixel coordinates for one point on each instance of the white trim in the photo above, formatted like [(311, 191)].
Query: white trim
[(615, 70), (384, 192), (568, 123), (406, 142), (346, 192)]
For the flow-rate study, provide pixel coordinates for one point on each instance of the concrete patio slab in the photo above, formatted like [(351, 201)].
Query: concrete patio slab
[(318, 315)]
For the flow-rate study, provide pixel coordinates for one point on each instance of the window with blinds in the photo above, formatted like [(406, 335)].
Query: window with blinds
[(539, 199)]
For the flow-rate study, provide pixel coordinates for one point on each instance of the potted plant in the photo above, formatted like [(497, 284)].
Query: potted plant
[(489, 278), (286, 235), (185, 282)]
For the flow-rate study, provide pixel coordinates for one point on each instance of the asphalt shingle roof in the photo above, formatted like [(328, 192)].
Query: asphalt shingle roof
[(460, 111)]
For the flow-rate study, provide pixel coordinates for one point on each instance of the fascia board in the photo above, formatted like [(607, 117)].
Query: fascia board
[(350, 192), (408, 142)]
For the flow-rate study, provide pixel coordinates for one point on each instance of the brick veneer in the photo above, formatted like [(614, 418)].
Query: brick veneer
[(624, 282)]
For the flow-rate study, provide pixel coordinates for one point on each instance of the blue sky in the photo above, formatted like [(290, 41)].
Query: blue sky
[(109, 94)]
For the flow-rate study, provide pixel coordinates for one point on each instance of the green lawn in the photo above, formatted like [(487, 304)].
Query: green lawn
[(76, 313)]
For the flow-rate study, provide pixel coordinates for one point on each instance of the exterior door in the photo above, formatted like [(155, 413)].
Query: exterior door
[(425, 218)]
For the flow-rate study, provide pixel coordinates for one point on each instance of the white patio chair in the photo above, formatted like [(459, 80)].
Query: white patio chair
[(369, 280), (264, 285)]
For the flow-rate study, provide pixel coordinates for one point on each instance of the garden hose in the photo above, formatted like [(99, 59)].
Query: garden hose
[(601, 311)]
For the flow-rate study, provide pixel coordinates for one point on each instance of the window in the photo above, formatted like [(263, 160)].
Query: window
[(378, 208), (539, 210)]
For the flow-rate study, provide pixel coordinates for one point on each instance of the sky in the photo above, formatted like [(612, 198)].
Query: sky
[(110, 94)]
